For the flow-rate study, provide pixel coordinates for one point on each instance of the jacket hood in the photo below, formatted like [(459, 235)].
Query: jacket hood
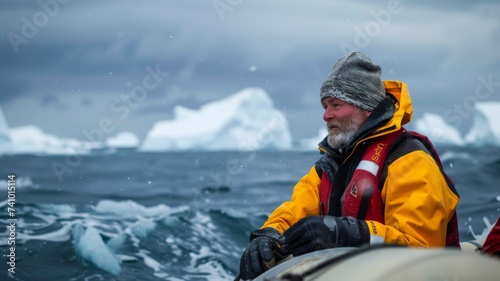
[(403, 107), (391, 114)]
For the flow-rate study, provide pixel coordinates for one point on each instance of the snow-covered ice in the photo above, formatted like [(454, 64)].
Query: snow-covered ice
[(439, 132), (123, 140), (312, 143), (485, 131), (31, 139), (246, 120)]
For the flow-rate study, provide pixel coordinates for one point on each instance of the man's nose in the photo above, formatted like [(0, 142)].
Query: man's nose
[(328, 114)]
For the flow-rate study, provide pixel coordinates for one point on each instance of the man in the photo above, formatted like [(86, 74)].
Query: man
[(375, 183)]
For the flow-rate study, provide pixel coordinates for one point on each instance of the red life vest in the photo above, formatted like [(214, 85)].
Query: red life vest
[(361, 198)]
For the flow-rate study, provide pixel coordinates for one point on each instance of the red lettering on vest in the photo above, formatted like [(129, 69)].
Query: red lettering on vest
[(378, 149)]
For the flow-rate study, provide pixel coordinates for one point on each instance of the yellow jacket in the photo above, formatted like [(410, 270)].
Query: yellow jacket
[(418, 202)]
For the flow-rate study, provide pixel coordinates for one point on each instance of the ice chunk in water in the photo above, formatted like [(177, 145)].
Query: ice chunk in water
[(90, 247)]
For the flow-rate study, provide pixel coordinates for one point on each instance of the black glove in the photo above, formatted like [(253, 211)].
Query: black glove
[(321, 232), (262, 253)]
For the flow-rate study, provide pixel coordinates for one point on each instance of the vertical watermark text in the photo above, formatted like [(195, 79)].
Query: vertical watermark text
[(11, 222)]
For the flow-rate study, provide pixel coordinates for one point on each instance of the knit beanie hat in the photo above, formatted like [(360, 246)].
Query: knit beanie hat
[(355, 79)]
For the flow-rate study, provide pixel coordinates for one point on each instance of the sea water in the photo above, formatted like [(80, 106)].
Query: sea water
[(126, 215)]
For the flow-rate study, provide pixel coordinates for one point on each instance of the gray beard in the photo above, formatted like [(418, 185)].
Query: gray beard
[(347, 132), (341, 139)]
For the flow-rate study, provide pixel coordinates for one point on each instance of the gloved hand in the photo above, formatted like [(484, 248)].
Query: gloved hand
[(321, 232), (262, 253)]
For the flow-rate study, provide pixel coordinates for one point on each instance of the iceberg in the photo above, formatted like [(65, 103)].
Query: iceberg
[(5, 141), (312, 143), (484, 132), (246, 120), (123, 140), (437, 130), (31, 139)]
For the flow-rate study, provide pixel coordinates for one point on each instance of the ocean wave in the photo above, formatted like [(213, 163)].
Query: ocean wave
[(113, 234)]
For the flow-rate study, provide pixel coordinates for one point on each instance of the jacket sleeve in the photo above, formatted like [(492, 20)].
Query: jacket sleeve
[(418, 203), (304, 202)]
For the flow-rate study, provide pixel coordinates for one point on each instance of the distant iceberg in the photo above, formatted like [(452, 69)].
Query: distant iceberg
[(484, 130), (5, 141), (123, 140), (312, 143), (438, 131), (247, 120), (32, 140)]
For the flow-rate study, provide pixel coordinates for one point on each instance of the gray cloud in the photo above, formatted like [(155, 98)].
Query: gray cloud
[(92, 52)]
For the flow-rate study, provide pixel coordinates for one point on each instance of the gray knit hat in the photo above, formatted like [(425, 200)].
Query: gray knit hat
[(355, 79)]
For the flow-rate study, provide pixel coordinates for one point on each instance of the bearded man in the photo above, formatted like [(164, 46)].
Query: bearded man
[(375, 182)]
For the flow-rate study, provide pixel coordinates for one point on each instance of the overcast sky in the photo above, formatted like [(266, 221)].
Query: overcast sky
[(67, 65)]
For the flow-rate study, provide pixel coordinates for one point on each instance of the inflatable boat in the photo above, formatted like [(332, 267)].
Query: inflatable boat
[(388, 263)]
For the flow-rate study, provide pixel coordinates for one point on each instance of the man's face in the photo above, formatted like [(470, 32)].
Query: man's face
[(343, 121)]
